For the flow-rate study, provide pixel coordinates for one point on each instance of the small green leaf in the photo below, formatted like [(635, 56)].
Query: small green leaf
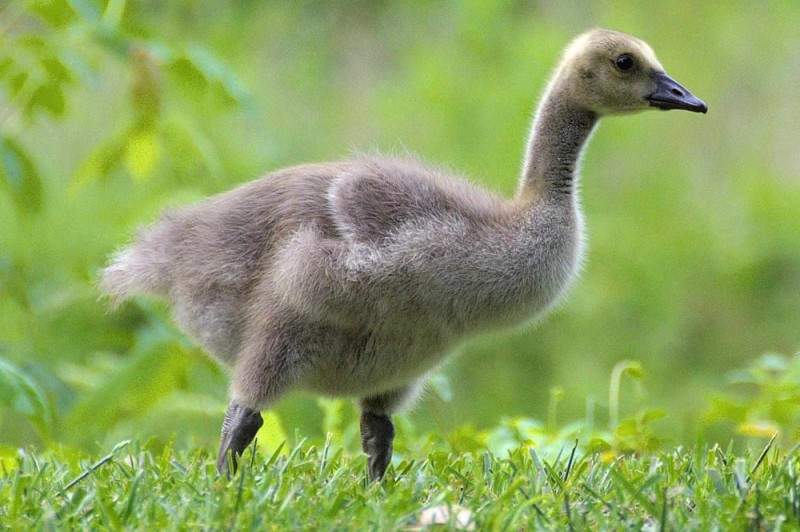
[(20, 177), (48, 97), (217, 71), (758, 428), (6, 64), (146, 87), (650, 415), (599, 445), (190, 150), (17, 82), (634, 370), (197, 69), (56, 69), (34, 43), (187, 74), (101, 162), (57, 13), (21, 395), (142, 153), (625, 428)]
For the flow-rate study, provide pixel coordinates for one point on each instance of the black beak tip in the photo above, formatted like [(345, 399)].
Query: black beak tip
[(695, 106), (670, 94)]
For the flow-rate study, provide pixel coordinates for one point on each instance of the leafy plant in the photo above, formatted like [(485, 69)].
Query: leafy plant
[(21, 395), (763, 398), (53, 51), (630, 432)]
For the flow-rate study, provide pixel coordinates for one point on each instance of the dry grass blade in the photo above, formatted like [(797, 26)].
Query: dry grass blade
[(95, 466), (762, 456)]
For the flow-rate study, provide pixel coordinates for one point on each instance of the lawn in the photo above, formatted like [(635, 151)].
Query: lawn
[(323, 487)]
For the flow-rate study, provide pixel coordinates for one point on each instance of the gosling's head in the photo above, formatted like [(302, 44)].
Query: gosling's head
[(609, 72)]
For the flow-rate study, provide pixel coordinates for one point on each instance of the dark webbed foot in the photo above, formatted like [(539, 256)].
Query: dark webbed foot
[(238, 429), (377, 433)]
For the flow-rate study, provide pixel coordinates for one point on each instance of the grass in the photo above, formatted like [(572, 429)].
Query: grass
[(319, 487)]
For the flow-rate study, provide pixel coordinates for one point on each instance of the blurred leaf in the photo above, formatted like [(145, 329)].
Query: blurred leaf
[(650, 415), (216, 71), (189, 148), (57, 13), (14, 285), (20, 394), (765, 398), (763, 429), (599, 445), (56, 69), (182, 414), (8, 455), (17, 82), (48, 97), (467, 438), (148, 377), (146, 87), (725, 409), (187, 73), (101, 162), (626, 428), (34, 43), (142, 153), (5, 66), (20, 177), (197, 69), (630, 368)]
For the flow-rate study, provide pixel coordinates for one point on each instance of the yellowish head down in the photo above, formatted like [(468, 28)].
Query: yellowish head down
[(609, 72)]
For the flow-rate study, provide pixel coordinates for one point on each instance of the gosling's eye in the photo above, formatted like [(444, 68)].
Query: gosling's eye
[(625, 63)]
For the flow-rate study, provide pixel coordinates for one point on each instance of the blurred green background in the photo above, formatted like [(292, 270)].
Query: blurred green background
[(111, 111)]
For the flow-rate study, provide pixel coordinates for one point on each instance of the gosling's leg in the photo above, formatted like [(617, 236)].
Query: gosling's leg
[(377, 430), (238, 429), (266, 366), (377, 434)]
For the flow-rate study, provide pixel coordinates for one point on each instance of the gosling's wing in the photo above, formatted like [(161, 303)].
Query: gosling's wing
[(377, 198)]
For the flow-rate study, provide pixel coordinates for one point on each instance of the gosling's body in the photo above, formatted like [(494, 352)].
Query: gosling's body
[(357, 278), (368, 271)]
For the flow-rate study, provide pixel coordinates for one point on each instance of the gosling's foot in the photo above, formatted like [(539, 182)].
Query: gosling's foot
[(377, 433), (238, 429)]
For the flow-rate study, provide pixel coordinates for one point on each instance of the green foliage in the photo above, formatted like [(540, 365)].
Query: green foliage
[(21, 180), (21, 395), (764, 398), (49, 49), (312, 487), (628, 433)]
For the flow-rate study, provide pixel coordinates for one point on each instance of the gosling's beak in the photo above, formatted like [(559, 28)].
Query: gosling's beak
[(672, 95)]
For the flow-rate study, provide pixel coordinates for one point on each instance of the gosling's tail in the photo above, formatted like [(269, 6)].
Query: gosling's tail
[(141, 268)]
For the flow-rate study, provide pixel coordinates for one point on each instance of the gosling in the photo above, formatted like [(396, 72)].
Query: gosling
[(357, 278)]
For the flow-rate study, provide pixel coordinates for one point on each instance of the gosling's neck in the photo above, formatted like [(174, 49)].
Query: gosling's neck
[(559, 133)]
